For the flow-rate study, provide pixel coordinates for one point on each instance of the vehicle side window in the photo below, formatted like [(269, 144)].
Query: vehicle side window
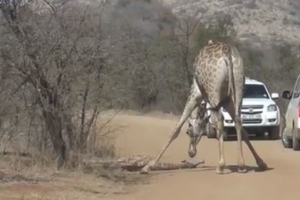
[(296, 92)]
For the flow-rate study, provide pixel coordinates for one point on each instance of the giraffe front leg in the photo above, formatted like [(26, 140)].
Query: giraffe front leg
[(191, 104), (173, 136), (220, 133)]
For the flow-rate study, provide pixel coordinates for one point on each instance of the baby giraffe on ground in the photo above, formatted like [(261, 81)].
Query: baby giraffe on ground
[(218, 80)]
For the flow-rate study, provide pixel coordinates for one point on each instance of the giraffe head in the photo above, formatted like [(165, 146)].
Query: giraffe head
[(196, 129)]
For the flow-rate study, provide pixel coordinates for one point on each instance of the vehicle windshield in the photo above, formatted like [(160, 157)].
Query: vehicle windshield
[(255, 91)]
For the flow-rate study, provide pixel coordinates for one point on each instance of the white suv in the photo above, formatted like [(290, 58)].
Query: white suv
[(259, 112), (290, 135)]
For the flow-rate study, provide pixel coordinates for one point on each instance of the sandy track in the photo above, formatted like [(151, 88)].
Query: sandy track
[(147, 134)]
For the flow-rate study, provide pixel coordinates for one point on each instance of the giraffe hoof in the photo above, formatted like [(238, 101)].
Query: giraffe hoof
[(262, 165), (144, 170), (242, 169), (220, 170)]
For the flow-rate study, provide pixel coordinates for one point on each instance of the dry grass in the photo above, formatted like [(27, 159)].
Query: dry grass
[(34, 177), (41, 182)]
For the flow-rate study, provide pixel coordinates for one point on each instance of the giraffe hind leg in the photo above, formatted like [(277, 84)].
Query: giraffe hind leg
[(220, 134), (259, 161), (261, 164), (238, 128), (234, 113)]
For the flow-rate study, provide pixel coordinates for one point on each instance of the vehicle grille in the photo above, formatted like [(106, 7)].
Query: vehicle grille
[(254, 112), (252, 121), (252, 106)]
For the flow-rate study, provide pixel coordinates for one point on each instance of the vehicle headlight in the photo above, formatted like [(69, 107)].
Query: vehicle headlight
[(272, 108)]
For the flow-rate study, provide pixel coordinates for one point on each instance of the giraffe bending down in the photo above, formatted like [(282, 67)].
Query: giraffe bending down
[(218, 80)]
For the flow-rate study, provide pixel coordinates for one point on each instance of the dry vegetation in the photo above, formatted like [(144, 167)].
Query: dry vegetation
[(62, 63)]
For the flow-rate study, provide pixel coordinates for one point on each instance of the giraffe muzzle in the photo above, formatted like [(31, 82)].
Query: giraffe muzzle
[(192, 152)]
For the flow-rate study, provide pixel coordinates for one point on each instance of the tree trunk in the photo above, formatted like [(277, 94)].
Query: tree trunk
[(54, 127)]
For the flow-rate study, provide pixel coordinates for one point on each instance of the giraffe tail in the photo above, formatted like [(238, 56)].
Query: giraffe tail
[(231, 86)]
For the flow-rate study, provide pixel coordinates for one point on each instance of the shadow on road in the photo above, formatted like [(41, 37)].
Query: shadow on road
[(227, 170), (234, 168), (251, 138)]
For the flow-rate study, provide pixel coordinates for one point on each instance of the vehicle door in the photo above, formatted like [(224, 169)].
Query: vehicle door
[(292, 110)]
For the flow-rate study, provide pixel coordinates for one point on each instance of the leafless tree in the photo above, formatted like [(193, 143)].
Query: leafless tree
[(57, 59)]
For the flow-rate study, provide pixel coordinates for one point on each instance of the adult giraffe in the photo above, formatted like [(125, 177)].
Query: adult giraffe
[(218, 80)]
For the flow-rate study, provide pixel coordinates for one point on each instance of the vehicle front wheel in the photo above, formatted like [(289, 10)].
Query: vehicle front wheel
[(286, 142), (296, 142)]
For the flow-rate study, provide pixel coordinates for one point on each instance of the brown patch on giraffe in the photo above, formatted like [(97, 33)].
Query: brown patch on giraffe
[(226, 49), (210, 62), (218, 48), (214, 70), (217, 54), (210, 73), (208, 51)]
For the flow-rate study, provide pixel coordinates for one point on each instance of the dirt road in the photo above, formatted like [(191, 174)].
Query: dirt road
[(147, 134)]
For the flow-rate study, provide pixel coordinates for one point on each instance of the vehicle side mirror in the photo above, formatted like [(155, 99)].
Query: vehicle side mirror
[(275, 96), (286, 94)]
